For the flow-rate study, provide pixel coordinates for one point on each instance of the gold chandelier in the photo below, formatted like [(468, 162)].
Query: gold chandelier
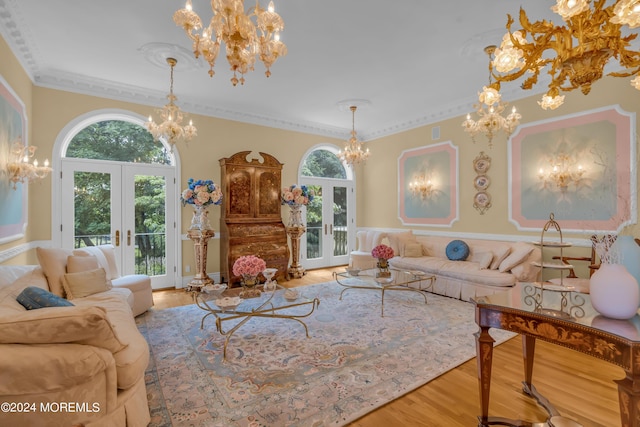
[(231, 25), (353, 152), (171, 127), (20, 168), (591, 37), (489, 110)]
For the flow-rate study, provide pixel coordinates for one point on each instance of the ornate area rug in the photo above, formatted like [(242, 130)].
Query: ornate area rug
[(354, 361)]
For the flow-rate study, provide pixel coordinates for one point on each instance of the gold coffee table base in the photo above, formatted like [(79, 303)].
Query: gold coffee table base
[(268, 304)]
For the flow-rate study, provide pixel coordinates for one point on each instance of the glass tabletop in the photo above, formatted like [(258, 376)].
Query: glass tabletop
[(230, 300), (398, 277), (566, 305)]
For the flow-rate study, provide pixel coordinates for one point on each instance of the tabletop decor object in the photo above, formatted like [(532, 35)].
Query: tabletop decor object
[(296, 197), (614, 291), (248, 267), (384, 253)]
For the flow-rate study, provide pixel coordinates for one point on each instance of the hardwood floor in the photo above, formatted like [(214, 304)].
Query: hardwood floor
[(580, 387)]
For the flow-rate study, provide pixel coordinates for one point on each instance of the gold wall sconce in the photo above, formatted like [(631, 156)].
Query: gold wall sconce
[(20, 167), (562, 172), (422, 187)]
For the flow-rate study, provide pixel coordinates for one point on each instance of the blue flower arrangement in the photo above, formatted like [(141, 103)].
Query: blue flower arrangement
[(201, 193)]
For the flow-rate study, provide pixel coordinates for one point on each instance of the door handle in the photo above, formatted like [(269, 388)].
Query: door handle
[(330, 228), (325, 229), (117, 237), (128, 237)]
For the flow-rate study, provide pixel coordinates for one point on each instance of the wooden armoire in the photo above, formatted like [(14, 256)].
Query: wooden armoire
[(251, 222)]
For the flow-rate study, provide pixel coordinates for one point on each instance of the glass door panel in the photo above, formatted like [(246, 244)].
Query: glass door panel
[(327, 239), (125, 205)]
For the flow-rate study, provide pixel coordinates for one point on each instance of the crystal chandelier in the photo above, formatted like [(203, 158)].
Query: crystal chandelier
[(489, 111), (171, 128), (19, 167), (562, 173), (590, 38), (353, 152), (231, 25)]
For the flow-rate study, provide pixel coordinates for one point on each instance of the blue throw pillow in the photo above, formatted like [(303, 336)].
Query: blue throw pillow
[(457, 250), (33, 297)]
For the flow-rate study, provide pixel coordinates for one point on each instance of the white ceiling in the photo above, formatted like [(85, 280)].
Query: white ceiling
[(416, 61)]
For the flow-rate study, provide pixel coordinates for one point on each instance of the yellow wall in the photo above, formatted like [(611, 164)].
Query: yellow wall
[(378, 183)]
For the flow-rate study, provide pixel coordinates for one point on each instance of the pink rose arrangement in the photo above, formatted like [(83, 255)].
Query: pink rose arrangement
[(248, 265), (201, 193), (295, 195), (382, 252)]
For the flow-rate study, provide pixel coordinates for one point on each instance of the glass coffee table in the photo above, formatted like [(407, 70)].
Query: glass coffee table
[(280, 303), (399, 280)]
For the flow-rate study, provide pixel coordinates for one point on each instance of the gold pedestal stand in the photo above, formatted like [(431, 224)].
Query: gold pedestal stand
[(294, 232), (200, 240)]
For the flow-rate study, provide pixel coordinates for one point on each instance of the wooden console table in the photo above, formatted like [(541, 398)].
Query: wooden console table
[(582, 329)]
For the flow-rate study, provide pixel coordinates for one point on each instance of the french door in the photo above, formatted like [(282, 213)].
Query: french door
[(330, 223), (127, 205)]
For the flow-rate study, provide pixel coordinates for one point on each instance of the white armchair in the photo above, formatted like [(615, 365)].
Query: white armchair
[(361, 258)]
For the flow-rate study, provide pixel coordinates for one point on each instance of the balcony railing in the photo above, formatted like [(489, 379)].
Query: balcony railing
[(314, 239)]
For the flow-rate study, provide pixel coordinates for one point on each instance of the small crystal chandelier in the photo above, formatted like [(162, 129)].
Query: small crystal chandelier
[(353, 152), (171, 128), (19, 167), (490, 111), (589, 39), (231, 25)]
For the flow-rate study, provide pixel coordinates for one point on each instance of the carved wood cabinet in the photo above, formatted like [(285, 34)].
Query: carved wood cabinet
[(251, 222)]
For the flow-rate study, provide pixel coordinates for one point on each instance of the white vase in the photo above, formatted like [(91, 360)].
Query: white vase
[(200, 220), (614, 292), (295, 216), (628, 253)]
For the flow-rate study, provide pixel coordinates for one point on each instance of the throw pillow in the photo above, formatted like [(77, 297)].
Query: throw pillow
[(398, 241), (54, 265), (519, 252), (33, 297), (85, 283), (482, 257), (500, 252), (413, 250), (457, 250), (77, 264), (99, 254)]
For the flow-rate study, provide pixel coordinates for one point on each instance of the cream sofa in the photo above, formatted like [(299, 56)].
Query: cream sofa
[(490, 267), (68, 366)]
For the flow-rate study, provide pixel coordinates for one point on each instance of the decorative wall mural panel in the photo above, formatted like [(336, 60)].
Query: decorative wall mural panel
[(13, 202), (428, 185), (581, 167)]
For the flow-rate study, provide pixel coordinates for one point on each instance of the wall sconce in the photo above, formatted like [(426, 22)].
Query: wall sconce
[(562, 173), (422, 187), (19, 168)]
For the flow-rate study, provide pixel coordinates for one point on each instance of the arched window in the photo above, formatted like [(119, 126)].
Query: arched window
[(117, 140), (331, 214), (118, 187)]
